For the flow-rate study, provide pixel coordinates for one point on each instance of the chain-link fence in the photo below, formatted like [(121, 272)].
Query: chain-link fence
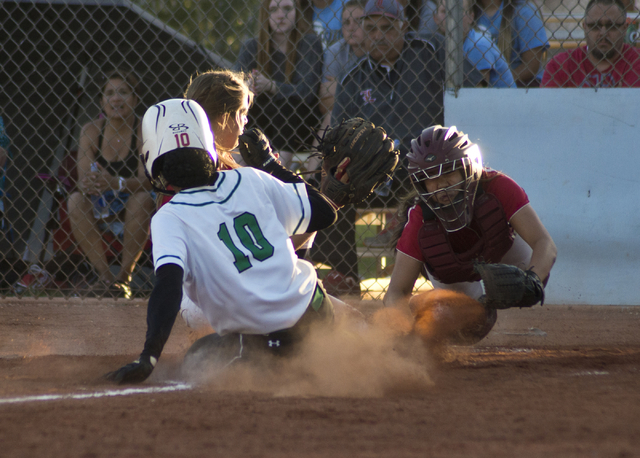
[(309, 63)]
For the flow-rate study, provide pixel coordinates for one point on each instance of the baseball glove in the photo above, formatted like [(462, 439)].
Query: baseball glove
[(357, 157), (508, 286)]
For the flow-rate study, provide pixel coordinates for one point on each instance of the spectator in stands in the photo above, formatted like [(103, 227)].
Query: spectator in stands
[(286, 66), (478, 48), (112, 185), (399, 85), (342, 55), (517, 27), (428, 24), (327, 20), (334, 246), (606, 60)]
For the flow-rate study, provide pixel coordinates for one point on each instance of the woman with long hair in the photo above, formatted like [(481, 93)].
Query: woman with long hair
[(285, 62), (112, 185), (225, 97)]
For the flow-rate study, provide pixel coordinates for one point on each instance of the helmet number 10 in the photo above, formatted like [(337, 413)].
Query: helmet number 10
[(182, 140)]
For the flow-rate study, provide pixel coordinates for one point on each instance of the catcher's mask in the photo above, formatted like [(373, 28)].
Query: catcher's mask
[(439, 151), (172, 125)]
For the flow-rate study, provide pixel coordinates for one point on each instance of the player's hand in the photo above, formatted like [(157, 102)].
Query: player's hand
[(135, 372), (96, 182), (255, 149)]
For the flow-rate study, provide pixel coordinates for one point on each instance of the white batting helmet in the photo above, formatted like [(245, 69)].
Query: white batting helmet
[(170, 125)]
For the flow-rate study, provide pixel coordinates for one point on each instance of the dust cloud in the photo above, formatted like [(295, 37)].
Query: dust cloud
[(349, 359)]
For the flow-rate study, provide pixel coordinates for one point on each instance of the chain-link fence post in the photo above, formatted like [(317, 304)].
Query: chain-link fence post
[(454, 45)]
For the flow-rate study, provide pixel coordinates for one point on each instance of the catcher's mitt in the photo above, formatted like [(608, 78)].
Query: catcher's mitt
[(508, 286), (357, 157)]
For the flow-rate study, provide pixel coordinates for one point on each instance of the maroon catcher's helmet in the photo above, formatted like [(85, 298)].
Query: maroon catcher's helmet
[(439, 151)]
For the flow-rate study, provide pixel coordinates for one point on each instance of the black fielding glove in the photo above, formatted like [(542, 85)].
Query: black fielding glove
[(255, 149)]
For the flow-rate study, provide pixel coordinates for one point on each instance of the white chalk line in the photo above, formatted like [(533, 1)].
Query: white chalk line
[(97, 394), (587, 373)]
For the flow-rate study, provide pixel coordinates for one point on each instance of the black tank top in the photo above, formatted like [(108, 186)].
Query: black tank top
[(127, 168)]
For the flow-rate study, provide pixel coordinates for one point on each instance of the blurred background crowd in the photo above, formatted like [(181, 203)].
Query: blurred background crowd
[(76, 77)]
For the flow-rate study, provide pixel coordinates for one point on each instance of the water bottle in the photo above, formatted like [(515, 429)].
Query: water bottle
[(100, 206)]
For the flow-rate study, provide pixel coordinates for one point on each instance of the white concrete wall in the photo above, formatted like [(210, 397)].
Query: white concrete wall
[(576, 152)]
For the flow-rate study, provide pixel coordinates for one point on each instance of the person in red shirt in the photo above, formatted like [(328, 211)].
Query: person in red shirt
[(462, 213), (606, 60)]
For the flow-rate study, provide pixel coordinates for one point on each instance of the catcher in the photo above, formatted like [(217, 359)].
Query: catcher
[(224, 236), (470, 229)]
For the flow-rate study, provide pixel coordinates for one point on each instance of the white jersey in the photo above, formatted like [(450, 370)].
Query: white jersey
[(232, 241)]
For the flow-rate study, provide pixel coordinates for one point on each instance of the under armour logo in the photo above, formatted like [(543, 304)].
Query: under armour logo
[(274, 343)]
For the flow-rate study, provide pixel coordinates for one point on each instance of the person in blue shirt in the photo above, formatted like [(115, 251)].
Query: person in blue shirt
[(517, 27), (481, 51), (327, 20), (427, 24)]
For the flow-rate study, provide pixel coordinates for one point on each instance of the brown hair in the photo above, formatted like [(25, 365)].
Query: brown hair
[(300, 28), (126, 75), (220, 93)]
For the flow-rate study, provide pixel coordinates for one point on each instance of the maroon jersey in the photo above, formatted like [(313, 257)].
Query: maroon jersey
[(511, 196), (574, 69)]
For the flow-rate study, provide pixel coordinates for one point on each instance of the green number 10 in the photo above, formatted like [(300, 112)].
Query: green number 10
[(248, 231)]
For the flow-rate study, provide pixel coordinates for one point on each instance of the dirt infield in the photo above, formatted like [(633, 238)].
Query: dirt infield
[(552, 381)]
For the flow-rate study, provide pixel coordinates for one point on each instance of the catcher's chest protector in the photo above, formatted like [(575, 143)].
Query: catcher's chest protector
[(496, 238)]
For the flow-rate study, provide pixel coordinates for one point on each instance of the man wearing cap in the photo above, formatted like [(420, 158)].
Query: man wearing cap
[(399, 85)]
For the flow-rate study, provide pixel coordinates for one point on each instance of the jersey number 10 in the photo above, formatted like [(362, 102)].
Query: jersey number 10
[(248, 231)]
